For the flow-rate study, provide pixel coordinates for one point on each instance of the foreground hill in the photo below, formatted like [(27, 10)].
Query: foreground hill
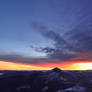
[(54, 80)]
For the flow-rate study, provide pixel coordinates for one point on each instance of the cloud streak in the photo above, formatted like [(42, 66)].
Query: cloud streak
[(23, 59), (75, 43)]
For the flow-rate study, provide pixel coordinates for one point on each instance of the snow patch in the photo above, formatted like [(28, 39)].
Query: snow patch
[(60, 91), (45, 88), (75, 89), (23, 87), (1, 74)]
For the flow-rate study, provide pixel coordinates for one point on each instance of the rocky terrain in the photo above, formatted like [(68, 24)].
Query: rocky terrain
[(54, 80)]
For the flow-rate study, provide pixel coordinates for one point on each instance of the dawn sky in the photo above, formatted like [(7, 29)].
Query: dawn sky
[(45, 31)]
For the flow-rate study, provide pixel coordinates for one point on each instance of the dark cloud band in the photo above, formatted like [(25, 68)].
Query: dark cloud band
[(75, 43)]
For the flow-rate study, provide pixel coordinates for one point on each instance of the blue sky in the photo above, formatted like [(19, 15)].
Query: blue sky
[(17, 16)]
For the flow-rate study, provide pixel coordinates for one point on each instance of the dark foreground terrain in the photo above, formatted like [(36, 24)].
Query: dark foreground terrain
[(54, 80)]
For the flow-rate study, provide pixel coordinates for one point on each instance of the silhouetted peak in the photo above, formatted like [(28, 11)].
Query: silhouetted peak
[(56, 69)]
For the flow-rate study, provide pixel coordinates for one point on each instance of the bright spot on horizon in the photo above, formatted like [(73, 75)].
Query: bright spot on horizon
[(83, 66)]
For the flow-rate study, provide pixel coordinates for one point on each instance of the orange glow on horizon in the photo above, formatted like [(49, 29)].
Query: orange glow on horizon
[(83, 66), (46, 66), (17, 66)]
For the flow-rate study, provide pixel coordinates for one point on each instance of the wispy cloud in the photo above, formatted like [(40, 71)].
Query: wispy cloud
[(74, 43)]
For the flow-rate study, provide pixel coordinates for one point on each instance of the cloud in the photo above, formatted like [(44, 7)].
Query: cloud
[(69, 47), (81, 37), (17, 58), (74, 45)]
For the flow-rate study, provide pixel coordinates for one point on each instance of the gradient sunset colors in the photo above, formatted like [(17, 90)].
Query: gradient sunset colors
[(44, 34), (64, 66)]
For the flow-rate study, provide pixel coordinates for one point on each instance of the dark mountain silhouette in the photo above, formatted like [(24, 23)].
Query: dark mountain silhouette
[(55, 80), (56, 69)]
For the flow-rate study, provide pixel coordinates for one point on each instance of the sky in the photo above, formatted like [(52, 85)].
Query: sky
[(42, 34)]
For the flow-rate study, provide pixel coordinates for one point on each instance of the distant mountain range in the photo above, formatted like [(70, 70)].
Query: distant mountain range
[(55, 80)]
